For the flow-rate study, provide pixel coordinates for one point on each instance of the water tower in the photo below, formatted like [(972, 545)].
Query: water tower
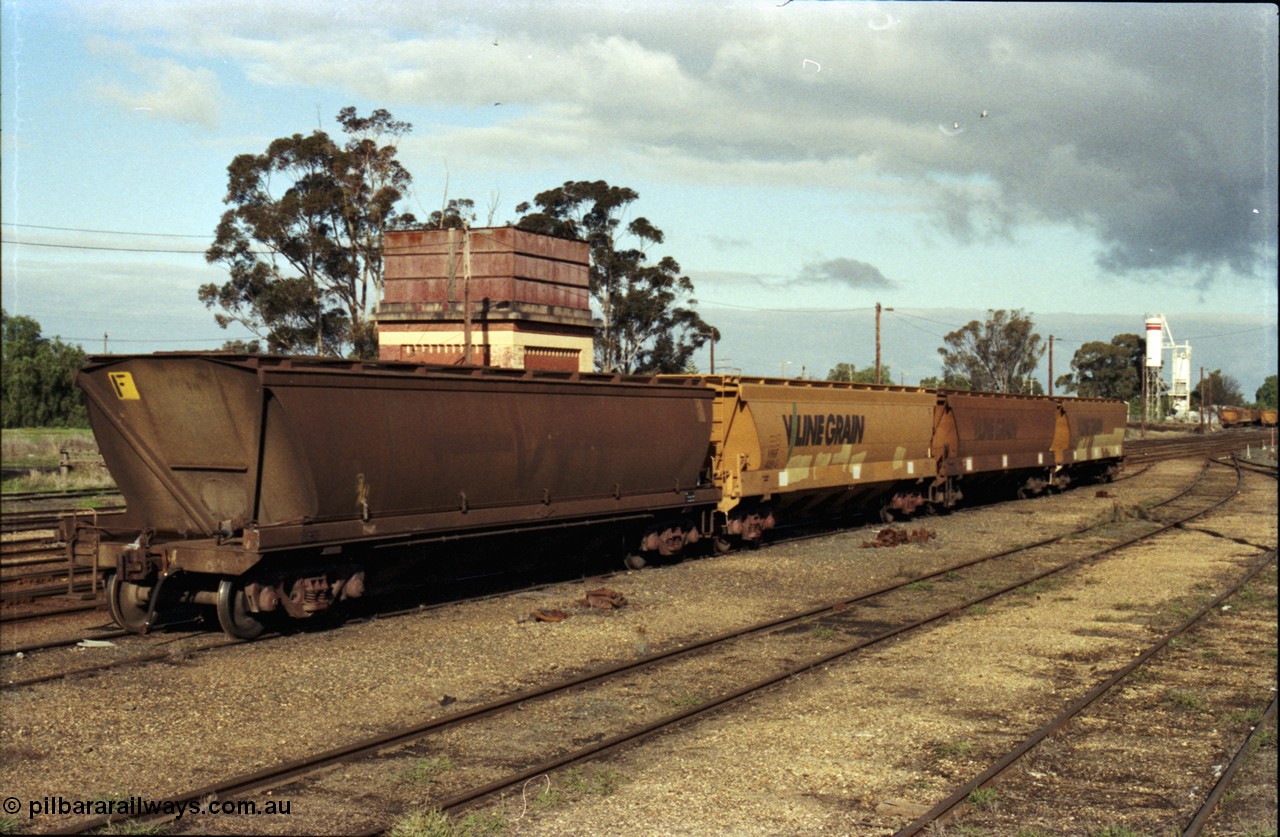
[(1159, 340)]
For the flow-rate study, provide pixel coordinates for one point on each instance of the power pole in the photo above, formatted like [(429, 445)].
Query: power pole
[(1051, 364), (104, 342), (1203, 413), (878, 310), (466, 295)]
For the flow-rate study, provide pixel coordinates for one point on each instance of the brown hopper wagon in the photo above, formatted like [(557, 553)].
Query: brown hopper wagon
[(252, 481), (263, 485)]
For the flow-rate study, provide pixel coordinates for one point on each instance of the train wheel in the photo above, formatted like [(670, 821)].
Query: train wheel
[(886, 514), (233, 611), (123, 602), (634, 562)]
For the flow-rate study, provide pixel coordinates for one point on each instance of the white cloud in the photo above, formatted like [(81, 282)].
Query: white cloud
[(1144, 125), (161, 88)]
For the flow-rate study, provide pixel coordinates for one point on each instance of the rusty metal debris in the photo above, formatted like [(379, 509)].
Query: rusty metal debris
[(604, 598), (549, 615), (891, 536)]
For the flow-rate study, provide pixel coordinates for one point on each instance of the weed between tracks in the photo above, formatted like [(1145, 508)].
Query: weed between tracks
[(436, 823), (426, 771)]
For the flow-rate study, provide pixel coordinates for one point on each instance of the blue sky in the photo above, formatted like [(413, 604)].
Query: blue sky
[(805, 160)]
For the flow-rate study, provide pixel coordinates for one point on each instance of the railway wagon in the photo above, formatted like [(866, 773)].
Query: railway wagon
[(1238, 416), (1268, 417), (1094, 442), (795, 448), (252, 482), (992, 443)]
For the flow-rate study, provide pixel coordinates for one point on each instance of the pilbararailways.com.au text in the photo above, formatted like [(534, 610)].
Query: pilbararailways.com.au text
[(136, 806)]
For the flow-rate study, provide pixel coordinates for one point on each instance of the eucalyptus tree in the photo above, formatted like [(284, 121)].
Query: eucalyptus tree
[(37, 377), (1266, 394), (1107, 370), (850, 373), (999, 354), (646, 307), (303, 238)]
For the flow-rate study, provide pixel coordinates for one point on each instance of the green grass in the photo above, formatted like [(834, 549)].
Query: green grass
[(8, 825), (426, 771), (1041, 586), (688, 700), (952, 749), (432, 822), (133, 827), (1182, 699), (1120, 831), (596, 782), (1244, 717), (41, 448), (919, 585), (983, 798), (823, 632)]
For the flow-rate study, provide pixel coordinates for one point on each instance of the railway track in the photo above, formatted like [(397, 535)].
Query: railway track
[(46, 519), (1090, 701), (50, 591), (787, 535), (61, 494), (847, 622), (1214, 444)]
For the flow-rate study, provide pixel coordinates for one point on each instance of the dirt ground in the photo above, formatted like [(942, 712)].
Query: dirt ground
[(861, 746)]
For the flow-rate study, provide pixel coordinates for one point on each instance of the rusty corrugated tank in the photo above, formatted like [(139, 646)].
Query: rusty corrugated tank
[(224, 459)]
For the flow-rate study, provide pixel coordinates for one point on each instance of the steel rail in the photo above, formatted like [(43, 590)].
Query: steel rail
[(775, 623), (1201, 818), (296, 769), (986, 777), (808, 614), (944, 808)]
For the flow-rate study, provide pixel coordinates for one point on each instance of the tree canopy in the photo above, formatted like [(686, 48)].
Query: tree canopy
[(1223, 391), (998, 355), (1266, 395), (36, 377), (649, 324), (1107, 370), (303, 237), (850, 373)]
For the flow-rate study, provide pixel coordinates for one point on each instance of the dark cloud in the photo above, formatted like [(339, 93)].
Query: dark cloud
[(1151, 127), (850, 273)]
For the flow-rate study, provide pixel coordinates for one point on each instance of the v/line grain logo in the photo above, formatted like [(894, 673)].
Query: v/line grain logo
[(819, 429)]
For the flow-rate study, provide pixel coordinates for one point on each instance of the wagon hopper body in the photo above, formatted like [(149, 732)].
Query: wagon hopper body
[(259, 477), (1268, 417), (801, 448), (1239, 416), (991, 443), (1095, 437)]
